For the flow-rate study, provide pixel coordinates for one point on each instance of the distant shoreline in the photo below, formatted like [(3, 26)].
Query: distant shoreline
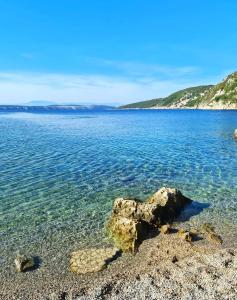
[(178, 108), (80, 108), (52, 108)]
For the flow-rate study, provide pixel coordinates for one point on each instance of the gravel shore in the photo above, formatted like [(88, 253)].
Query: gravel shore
[(165, 267)]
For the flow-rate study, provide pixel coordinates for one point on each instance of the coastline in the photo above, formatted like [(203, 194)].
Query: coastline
[(182, 108)]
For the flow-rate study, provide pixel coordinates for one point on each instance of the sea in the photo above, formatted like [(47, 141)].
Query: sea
[(60, 173)]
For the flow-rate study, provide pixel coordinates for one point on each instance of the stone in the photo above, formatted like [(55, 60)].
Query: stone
[(167, 203), (165, 229), (194, 231), (174, 259), (207, 228), (185, 235), (131, 219), (214, 238), (235, 133), (23, 262), (91, 260), (127, 208), (126, 233)]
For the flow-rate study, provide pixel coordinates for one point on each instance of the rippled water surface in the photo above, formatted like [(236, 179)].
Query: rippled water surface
[(59, 173)]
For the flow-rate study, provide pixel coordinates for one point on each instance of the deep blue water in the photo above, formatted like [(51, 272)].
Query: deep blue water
[(59, 173)]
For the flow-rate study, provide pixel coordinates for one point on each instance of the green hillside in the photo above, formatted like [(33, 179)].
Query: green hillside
[(220, 96), (185, 97), (224, 92), (143, 104), (176, 98)]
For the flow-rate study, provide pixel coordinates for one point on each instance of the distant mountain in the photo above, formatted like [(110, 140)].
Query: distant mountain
[(220, 96), (52, 108), (39, 103)]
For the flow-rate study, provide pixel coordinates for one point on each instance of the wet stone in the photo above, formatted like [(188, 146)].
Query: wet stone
[(214, 238), (208, 231), (207, 228), (185, 235), (91, 260), (24, 263)]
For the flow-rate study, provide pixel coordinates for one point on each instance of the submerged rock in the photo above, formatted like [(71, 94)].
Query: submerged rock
[(91, 260), (23, 262), (131, 219)]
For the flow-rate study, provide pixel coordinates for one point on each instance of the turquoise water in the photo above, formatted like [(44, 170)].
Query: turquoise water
[(59, 173)]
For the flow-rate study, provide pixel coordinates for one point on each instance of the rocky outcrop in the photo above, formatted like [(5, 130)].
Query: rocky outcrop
[(132, 220), (24, 263), (91, 260)]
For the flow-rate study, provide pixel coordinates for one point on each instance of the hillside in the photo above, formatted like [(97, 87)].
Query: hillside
[(144, 104), (185, 97), (220, 96), (177, 99)]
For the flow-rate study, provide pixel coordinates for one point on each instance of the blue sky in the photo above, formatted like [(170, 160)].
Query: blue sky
[(113, 51)]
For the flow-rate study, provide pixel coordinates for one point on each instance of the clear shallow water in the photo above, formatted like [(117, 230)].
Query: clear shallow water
[(59, 173)]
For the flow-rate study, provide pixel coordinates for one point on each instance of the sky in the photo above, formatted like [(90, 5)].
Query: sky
[(113, 51)]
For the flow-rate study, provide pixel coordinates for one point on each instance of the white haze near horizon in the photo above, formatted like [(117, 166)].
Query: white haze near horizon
[(24, 87)]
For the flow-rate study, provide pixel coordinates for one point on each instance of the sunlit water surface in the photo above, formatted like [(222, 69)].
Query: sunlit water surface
[(59, 173)]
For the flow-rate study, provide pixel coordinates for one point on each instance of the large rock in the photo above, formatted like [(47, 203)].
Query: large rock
[(132, 219), (127, 208), (165, 205), (127, 233), (91, 260)]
